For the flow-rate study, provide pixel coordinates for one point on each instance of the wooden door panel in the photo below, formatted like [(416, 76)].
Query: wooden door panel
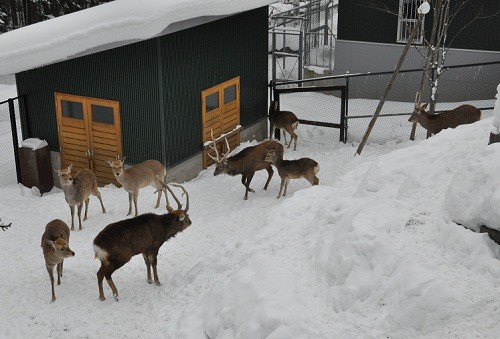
[(82, 134)]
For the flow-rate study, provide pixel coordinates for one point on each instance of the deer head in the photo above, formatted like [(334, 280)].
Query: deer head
[(221, 162)]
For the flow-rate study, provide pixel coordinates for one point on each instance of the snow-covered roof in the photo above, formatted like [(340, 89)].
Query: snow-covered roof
[(107, 26)]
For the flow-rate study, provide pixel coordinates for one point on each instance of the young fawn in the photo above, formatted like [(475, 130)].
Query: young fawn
[(77, 190), (55, 249), (284, 120), (293, 169), (147, 173)]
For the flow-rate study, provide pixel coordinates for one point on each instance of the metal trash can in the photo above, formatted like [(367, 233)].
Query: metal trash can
[(35, 164)]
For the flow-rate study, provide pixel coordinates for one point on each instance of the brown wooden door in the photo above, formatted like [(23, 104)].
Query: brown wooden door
[(89, 134), (221, 113)]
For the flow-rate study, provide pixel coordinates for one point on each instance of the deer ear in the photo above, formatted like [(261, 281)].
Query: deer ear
[(182, 217), (108, 162), (51, 244), (423, 106)]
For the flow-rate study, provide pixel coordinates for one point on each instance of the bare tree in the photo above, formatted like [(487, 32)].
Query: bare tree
[(3, 226)]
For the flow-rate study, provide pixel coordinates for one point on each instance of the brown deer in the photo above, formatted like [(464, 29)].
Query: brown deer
[(118, 242), (55, 249), (305, 168), (284, 120), (246, 162), (434, 123), (77, 190), (147, 173)]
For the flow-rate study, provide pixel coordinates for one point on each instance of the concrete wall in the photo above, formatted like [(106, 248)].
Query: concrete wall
[(455, 85)]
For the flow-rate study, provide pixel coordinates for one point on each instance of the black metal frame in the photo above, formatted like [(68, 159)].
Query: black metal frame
[(343, 104), (13, 126)]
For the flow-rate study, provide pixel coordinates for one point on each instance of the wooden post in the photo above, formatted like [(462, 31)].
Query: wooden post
[(389, 85)]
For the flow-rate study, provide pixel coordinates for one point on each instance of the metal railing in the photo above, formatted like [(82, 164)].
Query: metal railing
[(474, 83)]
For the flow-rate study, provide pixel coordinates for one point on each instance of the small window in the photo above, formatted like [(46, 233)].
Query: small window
[(229, 94), (103, 114), (212, 101), (408, 18), (72, 109)]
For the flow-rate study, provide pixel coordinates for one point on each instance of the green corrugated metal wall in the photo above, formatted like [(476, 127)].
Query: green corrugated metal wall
[(205, 56), (120, 74), (192, 60)]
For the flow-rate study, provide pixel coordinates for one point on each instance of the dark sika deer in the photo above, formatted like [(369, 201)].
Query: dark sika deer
[(118, 242), (247, 162)]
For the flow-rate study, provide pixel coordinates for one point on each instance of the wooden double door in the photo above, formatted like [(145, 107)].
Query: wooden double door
[(221, 113), (89, 134)]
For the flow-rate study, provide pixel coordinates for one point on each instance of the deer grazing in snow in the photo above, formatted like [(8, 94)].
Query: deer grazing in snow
[(118, 242), (77, 190), (246, 162), (293, 169), (284, 120), (55, 249), (147, 173), (434, 123)]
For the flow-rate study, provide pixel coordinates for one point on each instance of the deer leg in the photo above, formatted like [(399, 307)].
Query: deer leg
[(98, 195), (271, 130), (284, 135), (270, 172), (244, 182), (105, 272), (148, 267), (72, 209), (59, 273), (316, 180), (294, 139), (135, 196), (154, 261), (166, 197), (247, 186), (79, 215), (50, 269), (160, 192), (282, 185), (286, 185), (129, 203), (86, 208)]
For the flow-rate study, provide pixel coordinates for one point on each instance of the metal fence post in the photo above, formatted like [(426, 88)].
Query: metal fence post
[(15, 143)]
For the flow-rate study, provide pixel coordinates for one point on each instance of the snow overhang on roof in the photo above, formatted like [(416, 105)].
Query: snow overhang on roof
[(107, 26)]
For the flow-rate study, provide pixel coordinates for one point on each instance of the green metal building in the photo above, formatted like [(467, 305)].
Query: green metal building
[(152, 99)]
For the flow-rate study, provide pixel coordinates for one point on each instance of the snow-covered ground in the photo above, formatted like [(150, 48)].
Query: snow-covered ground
[(371, 252)]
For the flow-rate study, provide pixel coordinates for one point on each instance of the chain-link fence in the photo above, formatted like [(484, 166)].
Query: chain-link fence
[(472, 84), (9, 109)]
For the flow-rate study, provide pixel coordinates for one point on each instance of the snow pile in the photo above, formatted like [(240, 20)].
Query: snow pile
[(473, 197), (371, 252), (496, 113)]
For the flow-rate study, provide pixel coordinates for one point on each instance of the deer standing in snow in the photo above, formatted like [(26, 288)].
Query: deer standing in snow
[(77, 190), (147, 173), (118, 242), (246, 162), (434, 123), (55, 249), (305, 168), (284, 120)]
